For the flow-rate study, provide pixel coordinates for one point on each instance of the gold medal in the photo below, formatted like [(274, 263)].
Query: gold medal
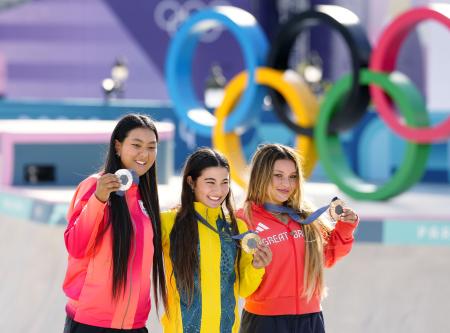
[(336, 209), (250, 242)]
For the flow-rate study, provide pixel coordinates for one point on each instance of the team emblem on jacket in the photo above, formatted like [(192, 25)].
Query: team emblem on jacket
[(261, 227), (141, 204)]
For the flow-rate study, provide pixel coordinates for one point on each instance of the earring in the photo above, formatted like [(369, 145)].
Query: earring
[(118, 154)]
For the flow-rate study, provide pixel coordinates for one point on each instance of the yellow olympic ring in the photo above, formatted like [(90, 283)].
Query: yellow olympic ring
[(301, 100)]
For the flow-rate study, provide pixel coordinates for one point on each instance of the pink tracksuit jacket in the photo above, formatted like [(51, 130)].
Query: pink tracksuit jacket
[(88, 281)]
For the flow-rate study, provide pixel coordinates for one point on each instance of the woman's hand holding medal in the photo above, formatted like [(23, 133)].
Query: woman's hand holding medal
[(107, 184), (262, 256), (118, 182), (348, 216), (252, 244), (339, 212)]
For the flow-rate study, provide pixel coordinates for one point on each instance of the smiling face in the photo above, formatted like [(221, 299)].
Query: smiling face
[(284, 182), (212, 186), (138, 150)]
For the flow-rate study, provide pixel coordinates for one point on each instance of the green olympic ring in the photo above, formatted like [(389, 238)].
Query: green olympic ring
[(411, 105)]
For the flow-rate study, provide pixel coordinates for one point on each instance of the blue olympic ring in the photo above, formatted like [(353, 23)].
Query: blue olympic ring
[(254, 45)]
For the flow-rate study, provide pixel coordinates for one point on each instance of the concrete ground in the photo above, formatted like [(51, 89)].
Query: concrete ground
[(377, 288), (389, 289)]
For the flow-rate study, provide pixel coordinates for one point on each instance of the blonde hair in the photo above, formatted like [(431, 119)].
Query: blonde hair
[(315, 234)]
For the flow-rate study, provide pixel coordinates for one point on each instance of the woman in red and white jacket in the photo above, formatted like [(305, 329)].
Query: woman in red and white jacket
[(288, 299)]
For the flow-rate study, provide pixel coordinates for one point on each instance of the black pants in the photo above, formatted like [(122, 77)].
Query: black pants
[(305, 323), (71, 326)]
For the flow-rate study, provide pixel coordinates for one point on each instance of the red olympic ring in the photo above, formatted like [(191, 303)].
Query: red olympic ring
[(384, 59)]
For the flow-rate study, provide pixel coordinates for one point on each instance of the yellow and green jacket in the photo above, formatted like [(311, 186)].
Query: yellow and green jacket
[(216, 291)]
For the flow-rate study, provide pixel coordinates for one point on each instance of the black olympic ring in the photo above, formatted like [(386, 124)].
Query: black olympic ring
[(348, 26)]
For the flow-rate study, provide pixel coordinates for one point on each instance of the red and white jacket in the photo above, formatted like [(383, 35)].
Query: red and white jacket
[(282, 286), (88, 278)]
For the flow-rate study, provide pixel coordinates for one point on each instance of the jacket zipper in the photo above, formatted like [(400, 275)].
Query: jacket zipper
[(130, 274), (296, 275), (296, 263)]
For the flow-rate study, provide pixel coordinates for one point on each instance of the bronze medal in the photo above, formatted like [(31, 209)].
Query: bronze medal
[(336, 209)]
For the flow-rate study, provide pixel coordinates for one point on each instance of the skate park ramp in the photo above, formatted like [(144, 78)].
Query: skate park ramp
[(389, 288), (32, 268), (378, 287)]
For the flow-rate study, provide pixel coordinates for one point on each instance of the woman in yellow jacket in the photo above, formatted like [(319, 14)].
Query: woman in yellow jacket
[(205, 268)]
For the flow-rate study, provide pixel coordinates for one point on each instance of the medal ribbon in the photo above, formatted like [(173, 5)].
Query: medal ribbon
[(221, 225), (293, 214)]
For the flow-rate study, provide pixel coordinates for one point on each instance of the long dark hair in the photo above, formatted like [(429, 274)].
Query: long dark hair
[(120, 220), (184, 237)]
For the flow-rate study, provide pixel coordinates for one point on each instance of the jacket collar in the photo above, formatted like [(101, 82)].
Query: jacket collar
[(261, 210), (207, 212), (134, 188)]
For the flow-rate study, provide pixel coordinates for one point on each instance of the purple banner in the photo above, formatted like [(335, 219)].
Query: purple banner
[(153, 23)]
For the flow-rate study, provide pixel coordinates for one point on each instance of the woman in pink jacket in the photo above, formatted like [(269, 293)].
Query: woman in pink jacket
[(113, 238), (288, 298)]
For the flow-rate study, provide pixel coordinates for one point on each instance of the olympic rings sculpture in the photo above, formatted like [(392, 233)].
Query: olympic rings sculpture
[(342, 107)]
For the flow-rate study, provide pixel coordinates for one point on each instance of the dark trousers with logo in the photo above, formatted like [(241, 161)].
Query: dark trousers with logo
[(305, 323), (71, 326)]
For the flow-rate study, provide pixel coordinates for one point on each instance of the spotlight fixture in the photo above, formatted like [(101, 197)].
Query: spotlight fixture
[(215, 86), (114, 86), (311, 69)]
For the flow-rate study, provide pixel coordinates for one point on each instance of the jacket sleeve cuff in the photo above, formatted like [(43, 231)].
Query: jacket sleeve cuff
[(346, 229), (97, 206), (97, 201), (256, 273)]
